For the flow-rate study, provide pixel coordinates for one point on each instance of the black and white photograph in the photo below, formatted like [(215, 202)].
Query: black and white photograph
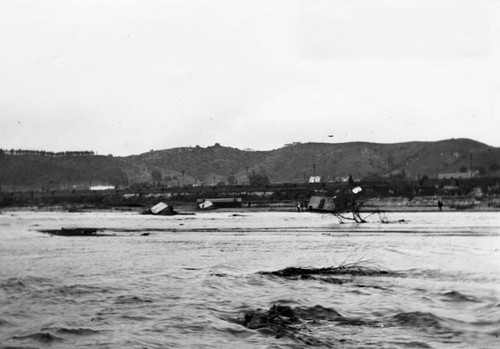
[(228, 174)]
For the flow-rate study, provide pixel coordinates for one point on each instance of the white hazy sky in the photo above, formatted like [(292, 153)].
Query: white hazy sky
[(124, 77)]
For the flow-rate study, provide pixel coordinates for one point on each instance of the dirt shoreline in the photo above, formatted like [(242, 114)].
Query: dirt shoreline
[(276, 207)]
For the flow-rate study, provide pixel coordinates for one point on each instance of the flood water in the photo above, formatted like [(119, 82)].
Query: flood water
[(190, 281)]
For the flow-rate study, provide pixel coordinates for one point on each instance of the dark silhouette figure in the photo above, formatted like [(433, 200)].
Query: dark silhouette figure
[(350, 180)]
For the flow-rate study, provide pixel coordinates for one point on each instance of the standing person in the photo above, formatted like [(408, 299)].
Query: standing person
[(440, 205)]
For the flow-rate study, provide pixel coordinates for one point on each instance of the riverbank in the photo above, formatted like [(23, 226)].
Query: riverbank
[(386, 204), (475, 194)]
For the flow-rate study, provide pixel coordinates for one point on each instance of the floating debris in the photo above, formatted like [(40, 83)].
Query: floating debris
[(332, 275), (206, 205), (74, 232), (278, 317), (210, 204), (160, 209), (295, 323), (354, 270)]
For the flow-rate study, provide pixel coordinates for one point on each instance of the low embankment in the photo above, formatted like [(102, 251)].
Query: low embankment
[(477, 194)]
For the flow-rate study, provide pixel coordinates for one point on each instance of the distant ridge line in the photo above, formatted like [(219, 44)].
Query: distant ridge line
[(42, 152), (45, 153)]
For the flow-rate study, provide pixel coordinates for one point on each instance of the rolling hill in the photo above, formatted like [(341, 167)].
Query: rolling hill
[(216, 164)]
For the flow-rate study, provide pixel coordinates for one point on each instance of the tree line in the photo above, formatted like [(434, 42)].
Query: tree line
[(45, 153)]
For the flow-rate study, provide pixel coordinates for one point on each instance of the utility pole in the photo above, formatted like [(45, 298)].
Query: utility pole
[(470, 164), (69, 179)]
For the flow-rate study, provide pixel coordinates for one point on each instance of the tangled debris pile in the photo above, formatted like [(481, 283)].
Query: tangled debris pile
[(296, 323), (280, 320), (324, 274)]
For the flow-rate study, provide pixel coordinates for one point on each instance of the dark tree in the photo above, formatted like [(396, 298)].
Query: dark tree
[(258, 179), (231, 180), (156, 176), (494, 167), (350, 180)]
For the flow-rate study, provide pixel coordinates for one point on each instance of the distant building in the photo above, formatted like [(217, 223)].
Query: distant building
[(458, 175), (315, 179), (343, 179), (101, 187)]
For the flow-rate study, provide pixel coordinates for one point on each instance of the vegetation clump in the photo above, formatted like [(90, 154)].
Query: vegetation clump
[(354, 270), (295, 323), (359, 268)]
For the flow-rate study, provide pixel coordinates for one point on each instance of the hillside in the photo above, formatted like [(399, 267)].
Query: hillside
[(215, 164), (330, 161), (201, 165), (35, 172)]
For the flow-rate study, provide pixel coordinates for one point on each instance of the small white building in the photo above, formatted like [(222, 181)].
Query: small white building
[(315, 179), (101, 187)]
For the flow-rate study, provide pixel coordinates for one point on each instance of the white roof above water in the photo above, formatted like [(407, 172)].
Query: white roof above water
[(158, 207)]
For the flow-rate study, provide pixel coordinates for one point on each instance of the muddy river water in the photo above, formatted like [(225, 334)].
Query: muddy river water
[(190, 281)]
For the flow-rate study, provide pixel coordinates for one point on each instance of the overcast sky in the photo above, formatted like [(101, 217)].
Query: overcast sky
[(124, 77)]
